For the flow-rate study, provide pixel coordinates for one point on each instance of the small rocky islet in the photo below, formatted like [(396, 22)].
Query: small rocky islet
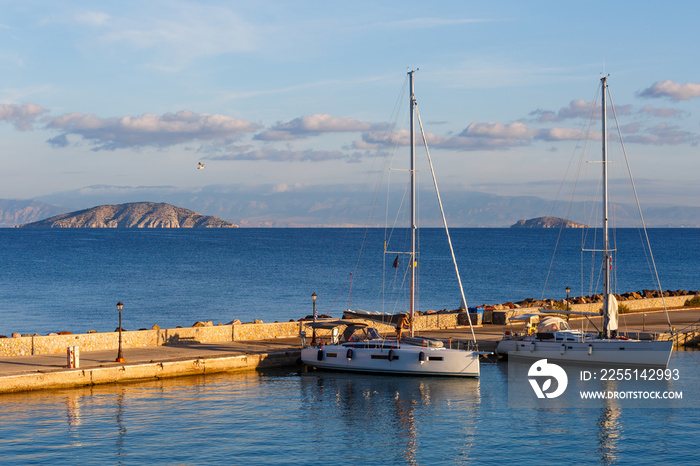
[(132, 215)]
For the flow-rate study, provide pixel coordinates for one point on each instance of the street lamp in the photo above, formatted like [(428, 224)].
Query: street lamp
[(313, 335), (568, 290), (120, 356)]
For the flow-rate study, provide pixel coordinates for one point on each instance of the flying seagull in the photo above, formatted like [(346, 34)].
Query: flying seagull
[(200, 166)]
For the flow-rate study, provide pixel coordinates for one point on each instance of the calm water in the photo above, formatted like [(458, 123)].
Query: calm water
[(53, 280), (287, 417), (71, 280)]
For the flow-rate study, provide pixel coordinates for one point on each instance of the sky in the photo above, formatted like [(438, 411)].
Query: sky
[(277, 96)]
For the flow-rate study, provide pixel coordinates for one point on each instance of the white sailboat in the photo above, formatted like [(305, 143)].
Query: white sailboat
[(555, 340), (360, 348)]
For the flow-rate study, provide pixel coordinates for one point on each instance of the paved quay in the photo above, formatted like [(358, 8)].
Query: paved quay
[(22, 373)]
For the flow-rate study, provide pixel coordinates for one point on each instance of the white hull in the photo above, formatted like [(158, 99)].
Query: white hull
[(624, 352), (387, 357)]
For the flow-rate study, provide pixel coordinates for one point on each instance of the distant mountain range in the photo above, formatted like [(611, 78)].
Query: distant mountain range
[(330, 206), (133, 215)]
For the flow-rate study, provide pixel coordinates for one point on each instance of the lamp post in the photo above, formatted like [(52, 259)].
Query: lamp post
[(120, 356), (313, 335), (568, 290)]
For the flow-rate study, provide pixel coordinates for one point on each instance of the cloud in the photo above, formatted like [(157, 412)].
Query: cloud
[(92, 18), (489, 136), (576, 109), (147, 129), (559, 134), (282, 155), (184, 33), (481, 135), (21, 116), (492, 129), (663, 112), (665, 134), (671, 89), (309, 125)]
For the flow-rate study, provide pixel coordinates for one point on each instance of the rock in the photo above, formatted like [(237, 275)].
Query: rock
[(155, 327), (200, 323), (234, 322), (257, 321), (16, 335), (117, 329), (547, 222), (132, 215), (65, 333), (92, 331), (52, 334)]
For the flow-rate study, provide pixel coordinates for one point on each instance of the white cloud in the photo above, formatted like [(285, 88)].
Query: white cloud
[(282, 155), (93, 18), (559, 134), (147, 129), (21, 116), (672, 90), (665, 134), (663, 112), (183, 32), (308, 125), (492, 129), (576, 109)]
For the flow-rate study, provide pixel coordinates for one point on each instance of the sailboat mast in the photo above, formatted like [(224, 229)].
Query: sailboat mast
[(412, 175), (607, 257)]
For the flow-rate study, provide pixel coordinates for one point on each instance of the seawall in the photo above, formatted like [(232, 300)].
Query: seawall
[(53, 344), (143, 371), (501, 316)]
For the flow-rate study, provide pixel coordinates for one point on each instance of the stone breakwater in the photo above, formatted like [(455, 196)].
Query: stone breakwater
[(203, 333), (500, 315), (29, 345), (632, 300)]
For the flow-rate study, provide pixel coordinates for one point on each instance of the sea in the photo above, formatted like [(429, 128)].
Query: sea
[(71, 280), (55, 280)]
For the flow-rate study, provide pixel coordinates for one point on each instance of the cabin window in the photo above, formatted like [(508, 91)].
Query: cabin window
[(434, 358), (383, 356), (331, 355)]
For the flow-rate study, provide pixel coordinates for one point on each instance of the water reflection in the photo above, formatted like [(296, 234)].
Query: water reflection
[(283, 417), (121, 427), (73, 415), (394, 412), (609, 428)]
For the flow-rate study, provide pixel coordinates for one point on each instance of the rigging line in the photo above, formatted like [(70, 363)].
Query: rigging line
[(444, 221), (388, 140), (580, 142), (641, 217), (340, 291)]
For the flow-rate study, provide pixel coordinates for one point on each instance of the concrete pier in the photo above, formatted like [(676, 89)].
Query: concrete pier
[(22, 373), (48, 371)]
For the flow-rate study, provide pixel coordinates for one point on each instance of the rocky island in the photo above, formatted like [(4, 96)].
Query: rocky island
[(132, 215), (547, 222)]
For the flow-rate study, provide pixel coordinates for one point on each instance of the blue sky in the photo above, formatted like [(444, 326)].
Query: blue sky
[(284, 96)]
